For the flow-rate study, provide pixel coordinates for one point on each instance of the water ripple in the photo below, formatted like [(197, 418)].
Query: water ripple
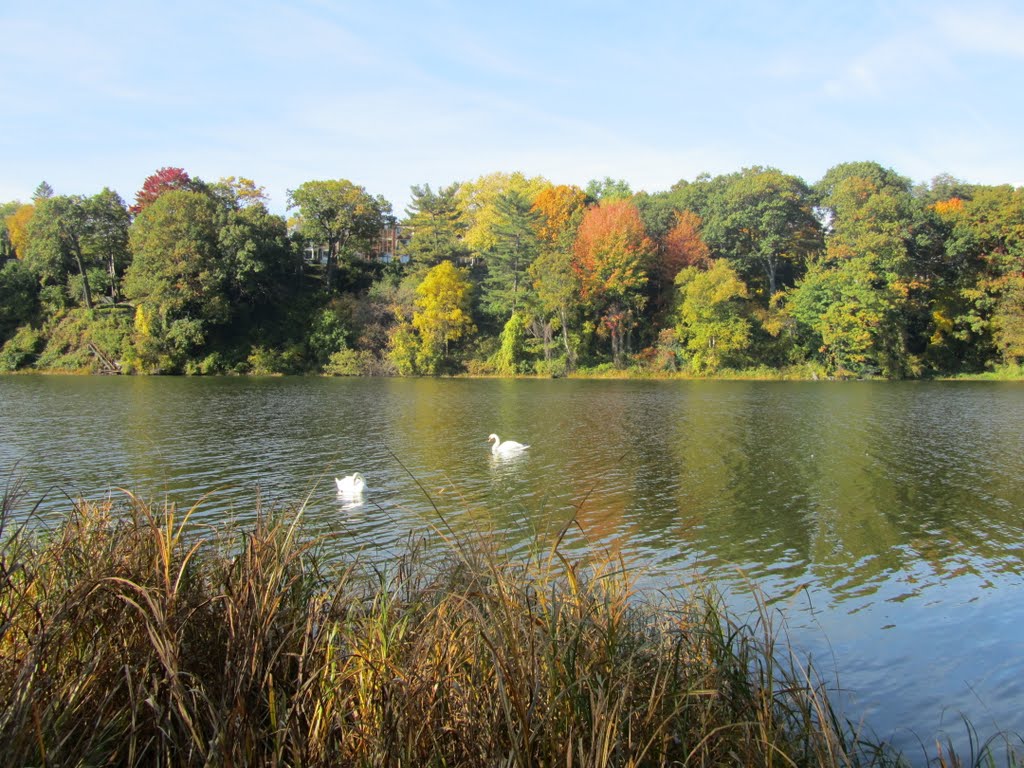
[(873, 515)]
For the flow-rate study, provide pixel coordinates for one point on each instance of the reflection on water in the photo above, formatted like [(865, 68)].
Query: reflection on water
[(891, 511)]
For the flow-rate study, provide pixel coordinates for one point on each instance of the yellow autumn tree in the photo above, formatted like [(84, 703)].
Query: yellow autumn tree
[(478, 202), (561, 207), (17, 228), (442, 316)]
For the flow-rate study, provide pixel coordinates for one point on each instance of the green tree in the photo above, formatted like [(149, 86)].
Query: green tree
[(713, 325), (328, 333), (177, 278), (257, 256), (42, 192), (869, 213), (56, 248), (442, 316), (436, 224), (341, 215), (106, 236), (515, 247), (985, 249), (833, 195), (762, 221), (19, 292), (847, 319), (238, 192), (608, 189), (557, 291), (1008, 320), (512, 345), (7, 210)]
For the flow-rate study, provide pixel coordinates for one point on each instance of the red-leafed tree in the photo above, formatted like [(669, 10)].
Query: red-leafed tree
[(611, 255), (164, 180)]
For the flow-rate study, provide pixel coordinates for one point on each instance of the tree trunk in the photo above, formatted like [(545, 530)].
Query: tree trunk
[(112, 268), (332, 262), (770, 269), (85, 278), (562, 315)]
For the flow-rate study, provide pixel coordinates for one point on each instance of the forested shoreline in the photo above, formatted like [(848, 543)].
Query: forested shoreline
[(757, 272)]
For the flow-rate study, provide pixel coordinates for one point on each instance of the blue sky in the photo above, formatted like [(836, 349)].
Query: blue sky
[(390, 94)]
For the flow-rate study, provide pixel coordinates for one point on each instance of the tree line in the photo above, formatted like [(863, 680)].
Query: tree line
[(861, 274)]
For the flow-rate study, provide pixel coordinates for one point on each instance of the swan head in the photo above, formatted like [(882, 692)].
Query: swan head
[(493, 438)]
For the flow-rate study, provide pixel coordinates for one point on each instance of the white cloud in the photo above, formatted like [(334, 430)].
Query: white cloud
[(992, 30), (891, 67)]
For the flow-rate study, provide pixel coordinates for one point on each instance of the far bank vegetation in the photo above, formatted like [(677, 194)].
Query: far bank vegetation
[(754, 273)]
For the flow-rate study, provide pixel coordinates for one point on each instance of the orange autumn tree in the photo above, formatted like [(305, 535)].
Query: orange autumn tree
[(560, 207), (683, 247), (611, 255)]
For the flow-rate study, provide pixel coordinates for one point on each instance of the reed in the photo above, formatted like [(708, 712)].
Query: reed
[(133, 635)]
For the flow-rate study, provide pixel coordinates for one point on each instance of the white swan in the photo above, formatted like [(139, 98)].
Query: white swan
[(504, 449), (351, 485)]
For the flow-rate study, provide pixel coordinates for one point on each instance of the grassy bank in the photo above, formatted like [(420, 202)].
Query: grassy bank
[(131, 635)]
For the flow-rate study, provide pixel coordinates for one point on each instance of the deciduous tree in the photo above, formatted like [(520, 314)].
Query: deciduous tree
[(442, 315), (561, 209), (17, 228), (848, 322), (164, 180), (608, 189), (478, 200), (869, 212), (177, 278), (258, 261), (762, 221), (19, 290), (56, 246), (555, 283), (238, 192), (6, 211), (713, 324), (341, 215), (612, 252), (106, 237)]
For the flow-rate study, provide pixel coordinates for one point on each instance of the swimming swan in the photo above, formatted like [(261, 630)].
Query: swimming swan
[(504, 449), (351, 485)]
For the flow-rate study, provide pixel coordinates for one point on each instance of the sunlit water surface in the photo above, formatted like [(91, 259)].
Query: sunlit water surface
[(883, 519)]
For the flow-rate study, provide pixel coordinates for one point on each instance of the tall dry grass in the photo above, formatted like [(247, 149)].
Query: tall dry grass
[(132, 635)]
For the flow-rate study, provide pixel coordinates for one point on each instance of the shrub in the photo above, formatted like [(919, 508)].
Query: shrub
[(69, 335), (263, 361), (21, 349), (350, 362)]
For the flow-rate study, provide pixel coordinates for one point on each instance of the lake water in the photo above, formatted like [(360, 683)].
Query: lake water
[(887, 519)]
